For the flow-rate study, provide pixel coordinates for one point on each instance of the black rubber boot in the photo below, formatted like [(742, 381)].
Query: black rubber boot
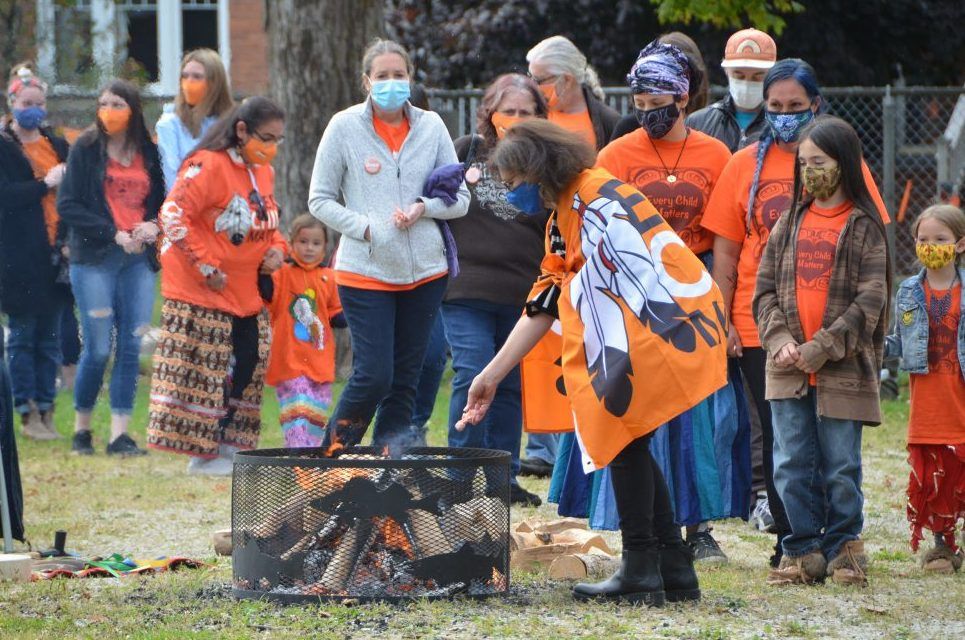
[(677, 570), (637, 581)]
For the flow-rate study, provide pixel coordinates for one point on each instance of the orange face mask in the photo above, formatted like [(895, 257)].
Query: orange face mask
[(502, 123), (193, 90), (550, 95), (114, 120), (258, 151)]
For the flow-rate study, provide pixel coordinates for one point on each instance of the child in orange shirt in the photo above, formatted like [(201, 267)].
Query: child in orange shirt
[(303, 303), (930, 339)]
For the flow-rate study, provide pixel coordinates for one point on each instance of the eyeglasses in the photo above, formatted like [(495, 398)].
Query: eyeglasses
[(255, 197), (544, 80), (277, 140)]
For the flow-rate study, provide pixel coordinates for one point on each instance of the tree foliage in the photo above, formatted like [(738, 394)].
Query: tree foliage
[(459, 43)]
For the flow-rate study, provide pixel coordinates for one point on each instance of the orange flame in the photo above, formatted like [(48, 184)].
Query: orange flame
[(395, 537)]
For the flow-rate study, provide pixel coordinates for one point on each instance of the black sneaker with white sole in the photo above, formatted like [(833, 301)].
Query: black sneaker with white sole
[(706, 549), (83, 443), (123, 445)]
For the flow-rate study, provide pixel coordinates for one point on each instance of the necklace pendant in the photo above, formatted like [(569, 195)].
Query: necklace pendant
[(671, 178)]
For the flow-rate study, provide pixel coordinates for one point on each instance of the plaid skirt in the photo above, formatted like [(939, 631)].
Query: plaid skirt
[(189, 411)]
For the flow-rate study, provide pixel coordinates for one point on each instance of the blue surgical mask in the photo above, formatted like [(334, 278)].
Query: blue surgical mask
[(390, 94), (30, 118), (526, 198), (787, 126)]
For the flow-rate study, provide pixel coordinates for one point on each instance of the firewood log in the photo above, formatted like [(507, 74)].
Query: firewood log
[(340, 567), (222, 542), (583, 565), (429, 537), (469, 521), (533, 525)]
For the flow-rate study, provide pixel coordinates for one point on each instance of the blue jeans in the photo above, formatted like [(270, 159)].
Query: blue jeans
[(476, 330), (542, 446), (433, 367), (817, 472), (390, 331), (34, 352), (115, 296)]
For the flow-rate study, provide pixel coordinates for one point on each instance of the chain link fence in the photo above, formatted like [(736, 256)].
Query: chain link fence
[(913, 139)]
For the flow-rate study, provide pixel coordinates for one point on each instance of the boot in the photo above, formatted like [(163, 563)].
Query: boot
[(33, 426), (47, 419), (677, 571), (850, 566), (637, 581)]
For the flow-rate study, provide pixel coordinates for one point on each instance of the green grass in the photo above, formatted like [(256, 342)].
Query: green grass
[(149, 506)]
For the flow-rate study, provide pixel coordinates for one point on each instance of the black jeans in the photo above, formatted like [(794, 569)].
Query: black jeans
[(390, 331), (752, 366), (643, 499)]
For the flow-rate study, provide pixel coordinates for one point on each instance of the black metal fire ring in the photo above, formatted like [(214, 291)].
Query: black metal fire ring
[(288, 599), (445, 457)]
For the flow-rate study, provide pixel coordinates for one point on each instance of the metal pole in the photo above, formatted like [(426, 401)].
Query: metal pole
[(889, 114), (5, 512)]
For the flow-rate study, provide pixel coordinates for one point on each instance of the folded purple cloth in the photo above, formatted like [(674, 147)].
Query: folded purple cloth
[(444, 184)]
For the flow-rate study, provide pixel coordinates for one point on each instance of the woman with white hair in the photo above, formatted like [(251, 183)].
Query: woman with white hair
[(572, 90)]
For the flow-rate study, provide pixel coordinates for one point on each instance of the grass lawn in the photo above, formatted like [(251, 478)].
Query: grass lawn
[(148, 507)]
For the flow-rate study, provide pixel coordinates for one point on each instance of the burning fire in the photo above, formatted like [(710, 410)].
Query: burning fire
[(394, 536)]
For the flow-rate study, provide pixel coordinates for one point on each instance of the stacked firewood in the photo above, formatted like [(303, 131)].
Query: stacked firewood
[(564, 548)]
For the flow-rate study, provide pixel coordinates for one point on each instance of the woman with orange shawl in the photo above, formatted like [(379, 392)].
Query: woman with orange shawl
[(643, 340)]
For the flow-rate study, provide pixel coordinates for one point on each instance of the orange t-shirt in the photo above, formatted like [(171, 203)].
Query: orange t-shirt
[(938, 397), (817, 242), (646, 164), (726, 216), (301, 310), (212, 203), (43, 158), (126, 189), (392, 134), (579, 123)]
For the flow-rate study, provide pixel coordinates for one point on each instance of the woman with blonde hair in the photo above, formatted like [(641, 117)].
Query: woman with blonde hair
[(203, 97)]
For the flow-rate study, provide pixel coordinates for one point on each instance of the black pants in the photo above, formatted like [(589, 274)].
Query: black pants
[(643, 500), (752, 366), (244, 348)]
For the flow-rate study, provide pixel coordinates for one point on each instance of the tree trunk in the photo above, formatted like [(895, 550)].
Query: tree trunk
[(314, 65)]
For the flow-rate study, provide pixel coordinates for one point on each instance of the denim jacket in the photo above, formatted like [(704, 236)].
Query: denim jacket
[(910, 340)]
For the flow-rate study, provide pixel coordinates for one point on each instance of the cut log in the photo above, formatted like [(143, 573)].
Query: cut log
[(428, 535), (533, 557), (288, 513), (533, 525), (471, 520), (583, 565), (586, 539), (340, 567), (524, 540), (222, 542)]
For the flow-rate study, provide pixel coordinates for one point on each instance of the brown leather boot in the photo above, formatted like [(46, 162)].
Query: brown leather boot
[(33, 426), (47, 419)]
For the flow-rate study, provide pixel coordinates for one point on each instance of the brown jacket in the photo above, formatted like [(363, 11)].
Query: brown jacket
[(847, 350)]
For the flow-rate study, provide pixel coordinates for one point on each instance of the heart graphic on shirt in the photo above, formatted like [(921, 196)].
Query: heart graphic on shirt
[(815, 256), (680, 203)]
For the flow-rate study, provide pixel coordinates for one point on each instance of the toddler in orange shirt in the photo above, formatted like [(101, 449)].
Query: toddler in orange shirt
[(303, 303)]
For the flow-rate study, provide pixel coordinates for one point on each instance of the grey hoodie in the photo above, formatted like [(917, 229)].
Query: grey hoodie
[(357, 185)]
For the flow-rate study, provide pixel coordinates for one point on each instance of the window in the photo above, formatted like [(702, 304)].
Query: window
[(199, 24)]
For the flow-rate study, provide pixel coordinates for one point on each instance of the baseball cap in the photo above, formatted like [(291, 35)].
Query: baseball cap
[(750, 48)]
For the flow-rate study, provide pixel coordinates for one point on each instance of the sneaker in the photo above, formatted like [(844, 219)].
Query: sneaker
[(761, 518), (706, 549), (210, 467), (520, 496), (123, 445), (535, 467), (83, 443)]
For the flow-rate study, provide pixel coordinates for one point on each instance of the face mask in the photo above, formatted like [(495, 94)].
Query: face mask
[(526, 198), (390, 94), (114, 120), (502, 123), (658, 122), (257, 151), (30, 118), (821, 182), (193, 90), (935, 256), (787, 126), (550, 95), (747, 95)]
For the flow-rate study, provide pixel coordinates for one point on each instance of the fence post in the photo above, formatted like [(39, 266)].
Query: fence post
[(889, 113)]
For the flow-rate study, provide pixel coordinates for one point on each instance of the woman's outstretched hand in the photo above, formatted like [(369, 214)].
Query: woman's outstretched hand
[(481, 394)]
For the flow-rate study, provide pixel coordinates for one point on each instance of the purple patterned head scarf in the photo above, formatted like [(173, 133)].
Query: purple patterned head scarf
[(660, 69)]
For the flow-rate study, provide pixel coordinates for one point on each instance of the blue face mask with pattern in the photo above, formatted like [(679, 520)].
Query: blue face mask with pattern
[(526, 198), (787, 126), (391, 94)]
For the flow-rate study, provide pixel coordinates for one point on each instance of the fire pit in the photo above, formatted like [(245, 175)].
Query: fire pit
[(430, 523)]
